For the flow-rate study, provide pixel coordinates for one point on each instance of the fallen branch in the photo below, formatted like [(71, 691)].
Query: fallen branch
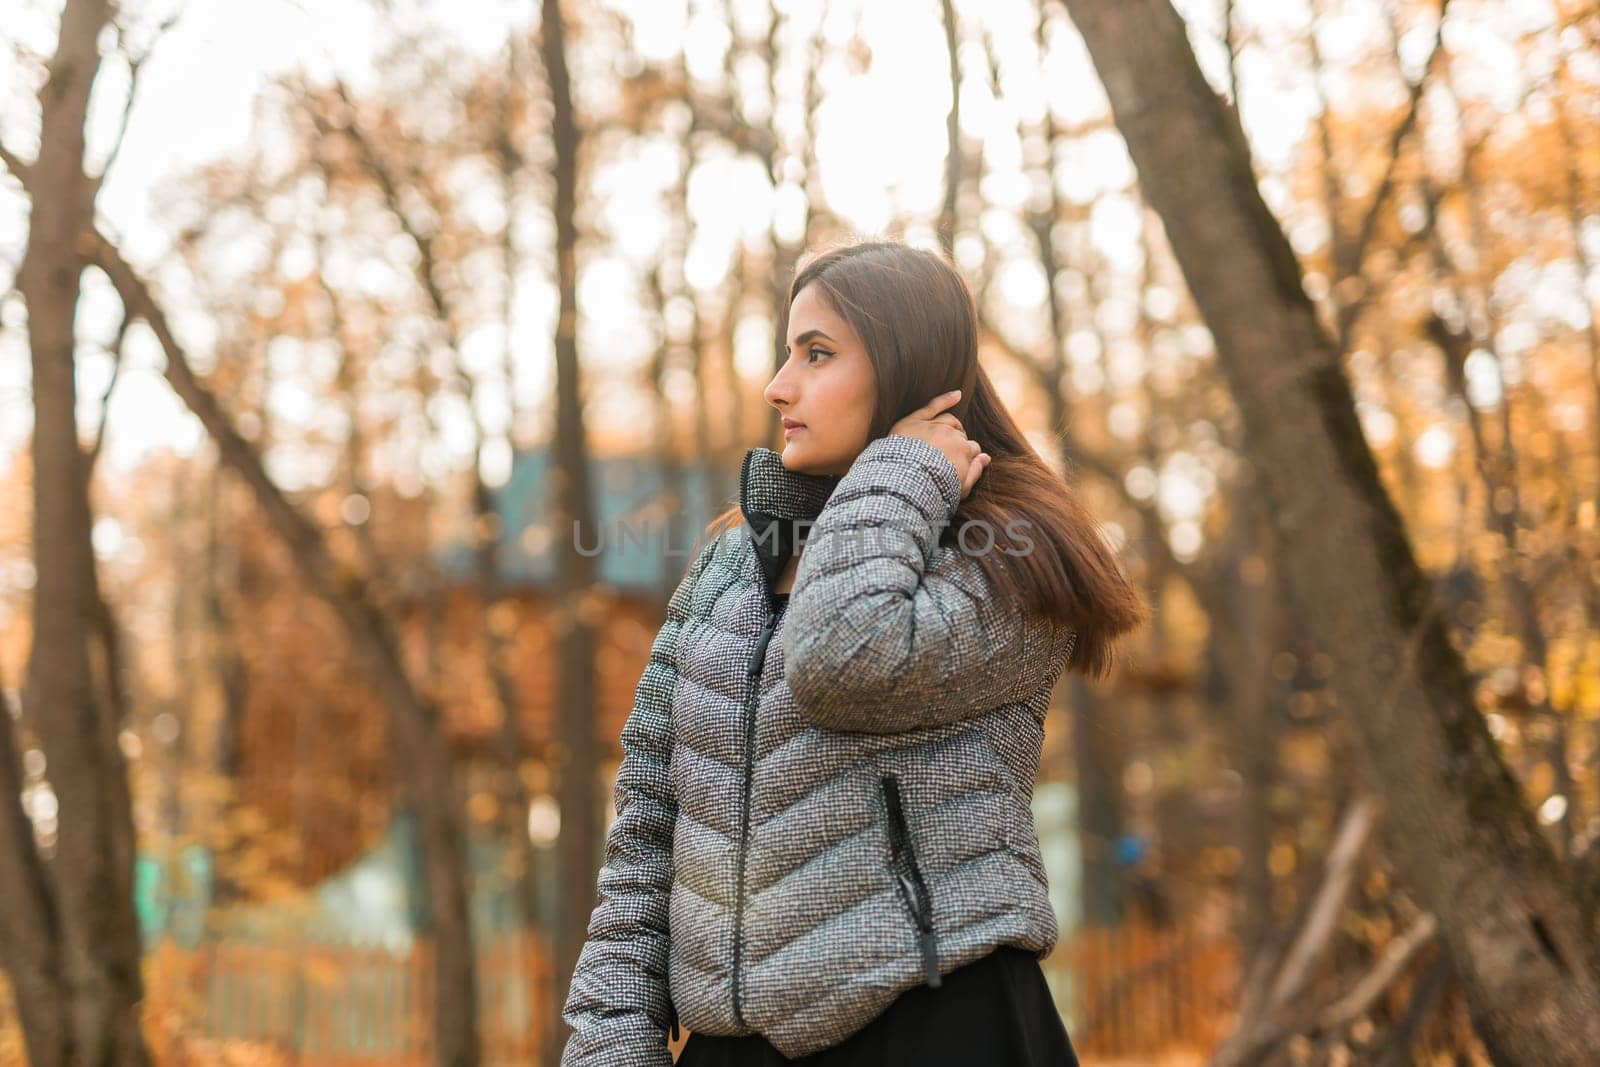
[(1268, 1021), (1396, 957)]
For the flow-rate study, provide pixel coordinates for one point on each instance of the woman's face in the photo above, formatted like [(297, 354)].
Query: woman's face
[(826, 384)]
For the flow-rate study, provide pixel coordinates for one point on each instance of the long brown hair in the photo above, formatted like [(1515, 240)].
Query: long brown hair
[(916, 317)]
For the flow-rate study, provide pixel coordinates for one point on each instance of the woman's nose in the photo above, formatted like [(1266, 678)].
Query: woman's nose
[(777, 392)]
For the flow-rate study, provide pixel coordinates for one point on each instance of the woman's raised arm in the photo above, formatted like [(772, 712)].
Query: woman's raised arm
[(878, 637)]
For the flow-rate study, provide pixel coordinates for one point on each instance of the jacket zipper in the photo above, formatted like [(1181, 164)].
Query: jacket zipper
[(909, 877), (752, 675)]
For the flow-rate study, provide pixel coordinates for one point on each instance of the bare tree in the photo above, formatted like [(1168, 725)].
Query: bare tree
[(413, 718), (575, 622), (339, 114), (96, 931), (1516, 931), (99, 935)]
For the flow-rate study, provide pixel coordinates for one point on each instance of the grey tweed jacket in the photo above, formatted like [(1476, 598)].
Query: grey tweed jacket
[(822, 805)]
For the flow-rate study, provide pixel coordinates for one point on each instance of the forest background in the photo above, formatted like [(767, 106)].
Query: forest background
[(318, 323)]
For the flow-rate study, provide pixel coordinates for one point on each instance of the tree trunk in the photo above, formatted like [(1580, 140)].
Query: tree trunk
[(93, 866), (1099, 777), (578, 748), (29, 948), (1509, 916)]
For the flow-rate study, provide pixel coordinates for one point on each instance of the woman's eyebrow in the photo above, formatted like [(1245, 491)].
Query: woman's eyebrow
[(808, 335)]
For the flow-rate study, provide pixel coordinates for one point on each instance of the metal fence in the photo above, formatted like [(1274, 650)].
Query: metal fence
[(1128, 993)]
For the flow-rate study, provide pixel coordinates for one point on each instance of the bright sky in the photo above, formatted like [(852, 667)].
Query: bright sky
[(880, 149), (193, 106)]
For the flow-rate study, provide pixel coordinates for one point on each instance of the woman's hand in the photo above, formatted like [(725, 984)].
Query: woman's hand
[(942, 430)]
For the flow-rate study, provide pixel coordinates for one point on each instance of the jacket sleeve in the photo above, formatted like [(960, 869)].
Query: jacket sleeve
[(887, 630), (618, 1003)]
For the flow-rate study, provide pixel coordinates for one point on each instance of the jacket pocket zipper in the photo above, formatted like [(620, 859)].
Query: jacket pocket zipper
[(908, 876)]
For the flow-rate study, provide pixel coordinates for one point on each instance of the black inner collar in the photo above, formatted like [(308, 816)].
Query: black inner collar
[(780, 505)]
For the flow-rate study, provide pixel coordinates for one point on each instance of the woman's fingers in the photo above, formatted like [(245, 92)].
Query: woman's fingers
[(975, 469), (966, 454), (939, 403), (970, 479)]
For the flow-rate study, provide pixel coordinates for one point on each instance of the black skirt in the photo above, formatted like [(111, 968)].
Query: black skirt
[(994, 1011)]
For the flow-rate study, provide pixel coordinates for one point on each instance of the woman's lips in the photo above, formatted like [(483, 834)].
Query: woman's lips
[(789, 431)]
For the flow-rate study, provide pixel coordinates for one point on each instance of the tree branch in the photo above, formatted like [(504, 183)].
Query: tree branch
[(23, 172), (412, 716), (135, 68), (1399, 953)]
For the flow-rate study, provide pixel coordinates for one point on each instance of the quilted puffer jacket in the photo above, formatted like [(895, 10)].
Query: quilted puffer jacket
[(822, 805)]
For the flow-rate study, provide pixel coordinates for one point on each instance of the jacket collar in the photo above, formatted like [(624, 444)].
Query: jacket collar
[(780, 505)]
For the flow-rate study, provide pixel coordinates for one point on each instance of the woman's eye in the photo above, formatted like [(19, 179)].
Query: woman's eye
[(814, 351)]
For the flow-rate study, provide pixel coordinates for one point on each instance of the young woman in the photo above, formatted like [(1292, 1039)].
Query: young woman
[(824, 850)]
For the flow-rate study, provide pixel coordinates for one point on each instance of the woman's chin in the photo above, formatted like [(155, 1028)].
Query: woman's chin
[(797, 457), (802, 460)]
